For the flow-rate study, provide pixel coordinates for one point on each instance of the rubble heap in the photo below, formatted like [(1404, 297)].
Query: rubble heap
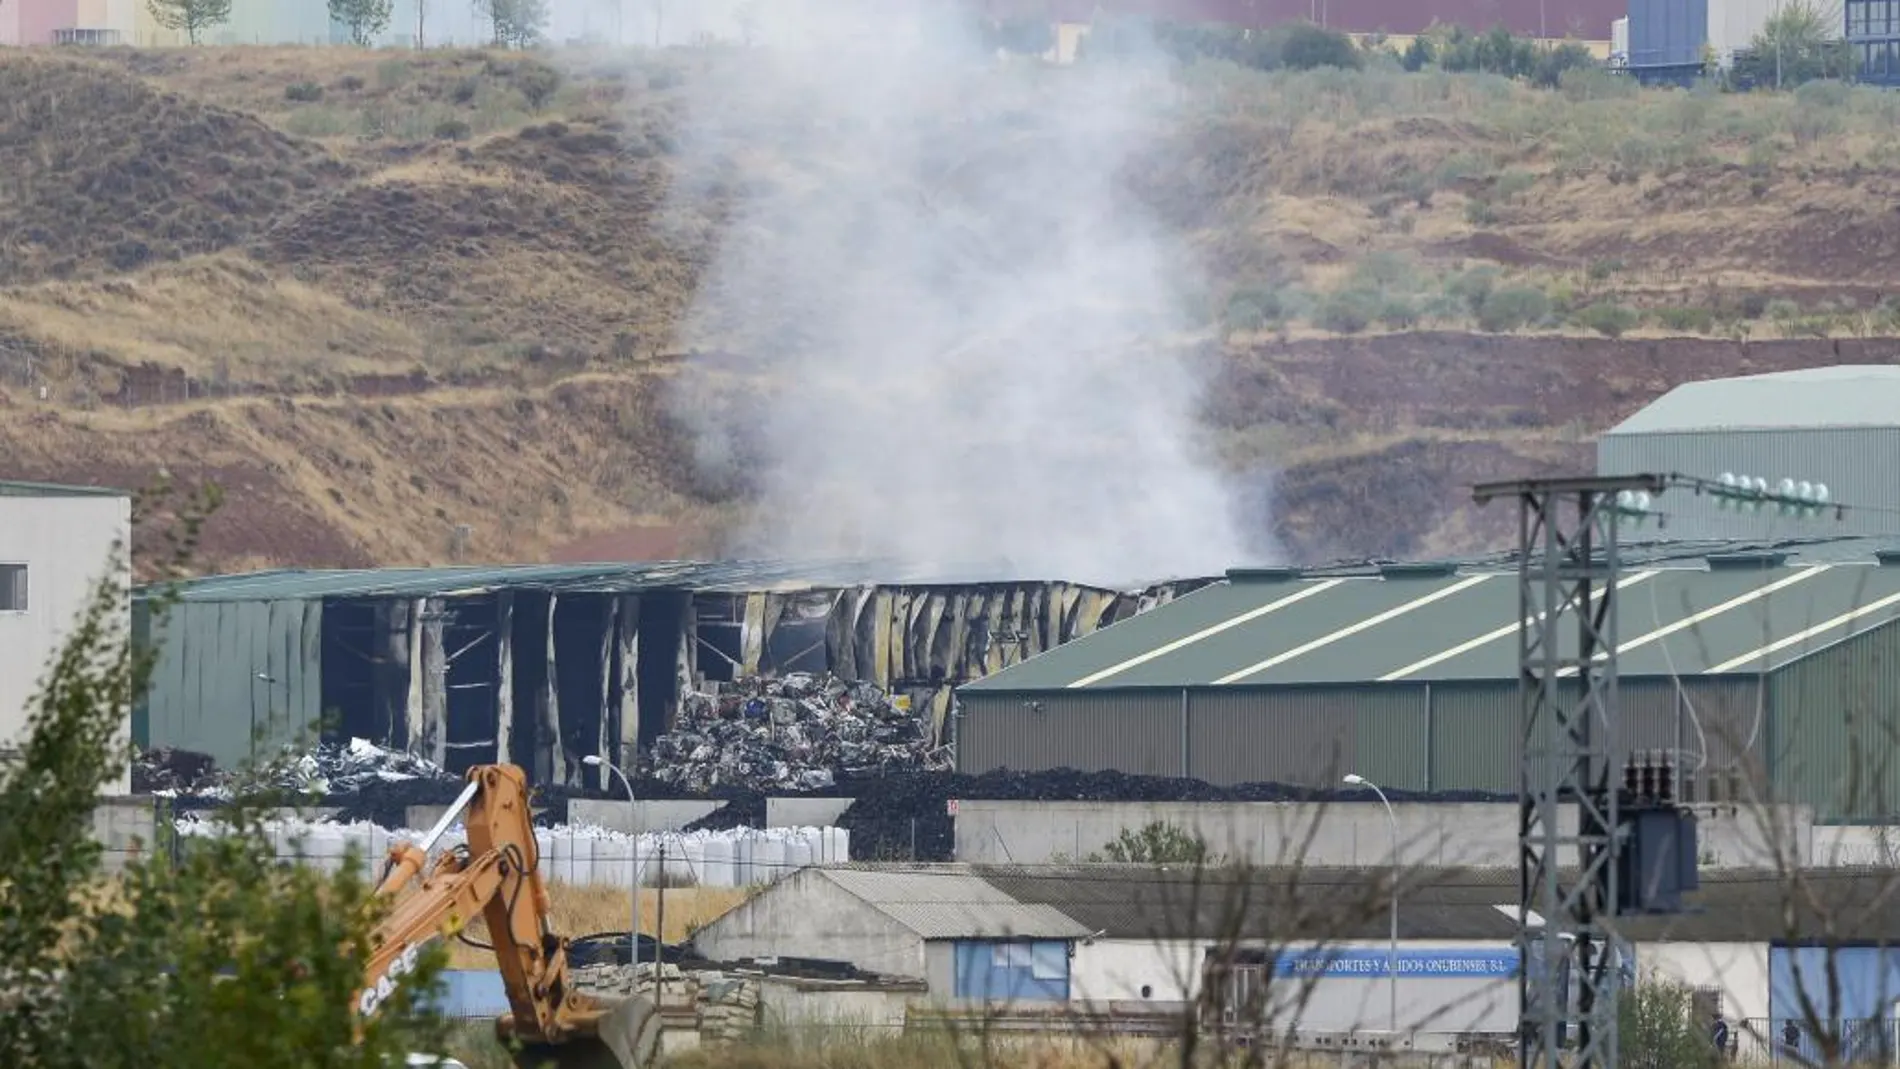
[(170, 773), (331, 769), (797, 733), (725, 1006)]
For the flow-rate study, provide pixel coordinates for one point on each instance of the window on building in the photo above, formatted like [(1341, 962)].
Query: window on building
[(12, 588), (1857, 15)]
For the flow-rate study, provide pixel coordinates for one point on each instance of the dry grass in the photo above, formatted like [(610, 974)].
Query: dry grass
[(219, 318), (446, 211)]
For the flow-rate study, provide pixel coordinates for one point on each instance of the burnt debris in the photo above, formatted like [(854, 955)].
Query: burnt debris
[(798, 733), (329, 770)]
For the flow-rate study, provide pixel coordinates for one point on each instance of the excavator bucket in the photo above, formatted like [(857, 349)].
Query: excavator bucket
[(625, 1036)]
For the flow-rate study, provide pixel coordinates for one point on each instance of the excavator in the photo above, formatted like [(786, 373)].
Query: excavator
[(550, 1024)]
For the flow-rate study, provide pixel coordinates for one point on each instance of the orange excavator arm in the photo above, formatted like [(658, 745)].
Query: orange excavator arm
[(499, 878)]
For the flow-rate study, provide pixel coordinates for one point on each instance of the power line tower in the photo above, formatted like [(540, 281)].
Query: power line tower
[(1567, 574)]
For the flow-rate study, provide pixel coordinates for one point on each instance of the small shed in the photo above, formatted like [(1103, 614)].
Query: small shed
[(942, 924)]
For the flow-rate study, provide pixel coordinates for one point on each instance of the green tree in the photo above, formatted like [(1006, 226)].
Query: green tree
[(1157, 843), (515, 23), (366, 19), (1304, 46), (1656, 1030), (1799, 43), (212, 956), (192, 16)]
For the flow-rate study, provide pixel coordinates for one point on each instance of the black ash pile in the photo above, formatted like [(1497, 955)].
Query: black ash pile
[(799, 733)]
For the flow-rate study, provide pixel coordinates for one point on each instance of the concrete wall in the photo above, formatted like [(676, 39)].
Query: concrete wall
[(128, 829), (804, 812), (940, 968), (1348, 833), (807, 915), (1116, 970), (660, 815), (1738, 970), (66, 544), (789, 1003)]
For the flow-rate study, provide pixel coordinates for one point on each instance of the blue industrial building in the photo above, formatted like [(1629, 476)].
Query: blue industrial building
[(1873, 29), (1667, 39)]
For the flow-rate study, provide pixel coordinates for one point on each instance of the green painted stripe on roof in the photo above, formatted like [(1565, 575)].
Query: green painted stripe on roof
[(1851, 599), (21, 488), (1488, 608), (1211, 606)]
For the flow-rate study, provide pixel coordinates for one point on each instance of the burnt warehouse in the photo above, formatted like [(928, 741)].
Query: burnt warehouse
[(544, 665)]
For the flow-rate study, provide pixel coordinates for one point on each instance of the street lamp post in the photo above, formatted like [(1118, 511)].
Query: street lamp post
[(633, 829), (1392, 959)]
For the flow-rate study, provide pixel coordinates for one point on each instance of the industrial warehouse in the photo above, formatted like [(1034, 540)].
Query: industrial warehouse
[(1756, 605), (1754, 643), (543, 665)]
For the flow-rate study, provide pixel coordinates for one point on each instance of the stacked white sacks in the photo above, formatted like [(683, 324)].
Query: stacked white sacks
[(581, 855)]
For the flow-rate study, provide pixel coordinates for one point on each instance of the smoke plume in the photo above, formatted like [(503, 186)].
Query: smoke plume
[(974, 339)]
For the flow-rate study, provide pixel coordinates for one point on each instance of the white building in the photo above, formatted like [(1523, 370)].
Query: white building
[(1308, 950), (56, 544)]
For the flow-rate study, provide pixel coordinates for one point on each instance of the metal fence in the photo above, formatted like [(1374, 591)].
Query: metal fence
[(1865, 1041)]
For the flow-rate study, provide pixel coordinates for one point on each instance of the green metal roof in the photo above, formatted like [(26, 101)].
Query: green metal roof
[(572, 578), (17, 488), (1852, 395), (1354, 627)]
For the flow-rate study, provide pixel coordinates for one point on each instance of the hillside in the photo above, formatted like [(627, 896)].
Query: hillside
[(380, 296)]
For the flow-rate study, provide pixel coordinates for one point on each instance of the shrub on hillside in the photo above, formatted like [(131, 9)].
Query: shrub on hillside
[(1512, 307), (1608, 319), (1686, 320), (1252, 309), (1349, 311), (1473, 286)]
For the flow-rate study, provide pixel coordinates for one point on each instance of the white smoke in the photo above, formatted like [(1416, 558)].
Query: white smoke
[(976, 339)]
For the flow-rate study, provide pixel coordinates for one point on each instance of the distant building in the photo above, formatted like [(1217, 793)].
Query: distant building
[(1309, 947), (56, 544), (541, 665), (68, 22), (1836, 426), (940, 923), (1759, 664), (1873, 28), (1672, 42), (1581, 19)]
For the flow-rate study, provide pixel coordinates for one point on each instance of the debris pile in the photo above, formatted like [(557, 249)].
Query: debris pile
[(169, 773), (331, 769), (797, 733)]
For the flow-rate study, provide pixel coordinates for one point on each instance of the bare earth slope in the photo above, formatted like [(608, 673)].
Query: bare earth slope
[(398, 304)]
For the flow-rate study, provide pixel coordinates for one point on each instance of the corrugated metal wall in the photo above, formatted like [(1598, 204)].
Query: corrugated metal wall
[(244, 670), (1667, 33), (1410, 736), (1856, 464), (1834, 729), (1138, 732)]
